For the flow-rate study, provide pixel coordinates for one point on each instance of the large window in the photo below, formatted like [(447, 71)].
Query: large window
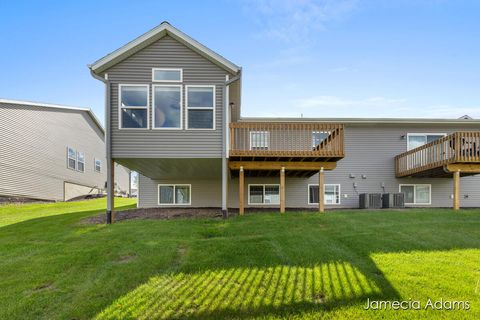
[(174, 194), (133, 106), (318, 137), (80, 161), (331, 194), (71, 158), (167, 106), (263, 194), (167, 75), (200, 107), (415, 140), (416, 193), (259, 140)]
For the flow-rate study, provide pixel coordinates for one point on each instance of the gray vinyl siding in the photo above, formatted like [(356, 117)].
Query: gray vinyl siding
[(370, 151), (33, 151), (151, 143)]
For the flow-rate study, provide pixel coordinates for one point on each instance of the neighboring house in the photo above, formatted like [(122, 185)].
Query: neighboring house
[(53, 152), (173, 115)]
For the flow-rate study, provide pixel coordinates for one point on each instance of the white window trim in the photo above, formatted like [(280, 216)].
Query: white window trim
[(181, 106), (422, 134), (206, 108), (133, 107), (78, 161), (415, 193), (325, 184), (174, 185), (267, 135), (263, 185), (167, 69), (95, 165), (68, 158)]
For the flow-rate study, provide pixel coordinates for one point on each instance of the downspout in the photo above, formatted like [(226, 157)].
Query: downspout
[(110, 183), (225, 140)]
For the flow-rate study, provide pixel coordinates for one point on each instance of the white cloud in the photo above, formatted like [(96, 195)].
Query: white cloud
[(296, 20)]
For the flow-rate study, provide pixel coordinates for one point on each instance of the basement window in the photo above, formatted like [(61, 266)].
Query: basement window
[(133, 106), (263, 194), (417, 193), (174, 194), (200, 107), (331, 194)]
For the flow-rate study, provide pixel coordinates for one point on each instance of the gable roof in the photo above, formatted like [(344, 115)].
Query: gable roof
[(153, 35), (56, 106)]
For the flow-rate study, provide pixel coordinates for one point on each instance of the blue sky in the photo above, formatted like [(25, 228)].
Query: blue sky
[(328, 58)]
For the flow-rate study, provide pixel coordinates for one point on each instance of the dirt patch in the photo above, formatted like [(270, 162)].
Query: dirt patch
[(126, 258), (43, 287), (157, 213)]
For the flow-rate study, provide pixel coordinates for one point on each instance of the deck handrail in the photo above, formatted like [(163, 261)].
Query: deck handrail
[(286, 139), (458, 147)]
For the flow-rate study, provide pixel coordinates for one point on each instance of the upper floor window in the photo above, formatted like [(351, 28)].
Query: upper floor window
[(200, 107), (75, 159), (259, 140), (133, 106), (98, 165), (80, 161), (167, 106), (71, 158), (318, 137), (415, 140), (167, 75)]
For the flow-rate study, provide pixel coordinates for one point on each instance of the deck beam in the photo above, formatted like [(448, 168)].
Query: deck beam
[(278, 165), (463, 167)]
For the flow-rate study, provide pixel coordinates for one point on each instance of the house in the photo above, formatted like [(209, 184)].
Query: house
[(174, 115), (53, 152)]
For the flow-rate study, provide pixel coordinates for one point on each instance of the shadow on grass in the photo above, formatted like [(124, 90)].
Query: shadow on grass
[(253, 267)]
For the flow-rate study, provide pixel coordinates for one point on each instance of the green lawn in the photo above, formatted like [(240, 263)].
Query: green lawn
[(295, 266)]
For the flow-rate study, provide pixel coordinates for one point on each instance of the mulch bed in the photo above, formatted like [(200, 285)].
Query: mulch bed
[(158, 213)]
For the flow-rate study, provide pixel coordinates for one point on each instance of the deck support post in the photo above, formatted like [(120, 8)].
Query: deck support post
[(241, 184), (110, 191), (456, 190), (282, 190), (321, 182)]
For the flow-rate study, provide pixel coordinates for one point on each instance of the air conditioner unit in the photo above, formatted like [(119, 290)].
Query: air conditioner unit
[(370, 200), (393, 200)]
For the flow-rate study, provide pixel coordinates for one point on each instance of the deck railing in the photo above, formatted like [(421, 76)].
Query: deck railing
[(458, 147), (286, 139)]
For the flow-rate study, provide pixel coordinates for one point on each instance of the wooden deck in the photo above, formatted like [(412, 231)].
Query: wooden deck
[(262, 148), (457, 152)]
